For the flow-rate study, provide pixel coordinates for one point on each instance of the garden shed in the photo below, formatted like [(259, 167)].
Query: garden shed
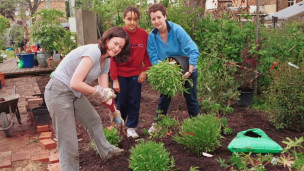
[(292, 13)]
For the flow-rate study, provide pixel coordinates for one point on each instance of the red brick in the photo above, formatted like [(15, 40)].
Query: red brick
[(41, 157), (43, 128), (45, 135), (21, 155), (54, 158), (48, 143), (5, 159), (54, 167)]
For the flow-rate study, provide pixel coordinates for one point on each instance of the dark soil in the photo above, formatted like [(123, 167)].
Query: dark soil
[(242, 119)]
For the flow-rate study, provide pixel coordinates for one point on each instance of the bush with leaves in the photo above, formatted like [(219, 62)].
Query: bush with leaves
[(111, 135), (150, 156), (47, 29), (166, 78), (4, 24), (218, 86), (200, 134), (164, 125), (285, 97)]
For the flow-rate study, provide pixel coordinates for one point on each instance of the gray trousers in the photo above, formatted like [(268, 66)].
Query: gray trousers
[(64, 106)]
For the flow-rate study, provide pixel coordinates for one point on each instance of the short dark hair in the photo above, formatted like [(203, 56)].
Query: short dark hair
[(132, 9), (125, 53), (157, 7)]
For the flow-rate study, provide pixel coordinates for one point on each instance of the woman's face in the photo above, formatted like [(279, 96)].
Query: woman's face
[(131, 21), (158, 20), (115, 45)]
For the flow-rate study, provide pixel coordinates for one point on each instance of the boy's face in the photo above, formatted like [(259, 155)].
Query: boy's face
[(131, 21), (158, 20)]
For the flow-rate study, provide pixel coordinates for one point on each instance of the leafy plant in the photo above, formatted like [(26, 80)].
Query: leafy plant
[(226, 129), (164, 125), (67, 43), (244, 161), (166, 78), (47, 29), (218, 86), (150, 156), (111, 135), (285, 97), (4, 24), (200, 134)]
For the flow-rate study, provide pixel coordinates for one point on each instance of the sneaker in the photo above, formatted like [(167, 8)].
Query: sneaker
[(115, 152), (132, 133), (152, 129)]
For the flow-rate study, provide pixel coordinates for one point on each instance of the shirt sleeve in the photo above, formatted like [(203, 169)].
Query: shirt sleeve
[(151, 49), (188, 45), (147, 62), (113, 69)]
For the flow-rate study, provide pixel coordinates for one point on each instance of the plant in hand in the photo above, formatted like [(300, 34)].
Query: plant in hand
[(151, 156), (200, 134), (166, 78)]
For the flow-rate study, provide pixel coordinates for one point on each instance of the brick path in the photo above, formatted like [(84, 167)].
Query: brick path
[(25, 143)]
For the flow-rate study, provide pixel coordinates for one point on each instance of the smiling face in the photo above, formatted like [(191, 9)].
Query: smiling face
[(115, 45), (158, 20), (131, 20)]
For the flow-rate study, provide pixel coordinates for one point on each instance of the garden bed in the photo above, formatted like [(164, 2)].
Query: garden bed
[(242, 119)]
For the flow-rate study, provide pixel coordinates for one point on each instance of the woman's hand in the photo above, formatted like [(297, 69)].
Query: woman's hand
[(116, 86), (142, 77)]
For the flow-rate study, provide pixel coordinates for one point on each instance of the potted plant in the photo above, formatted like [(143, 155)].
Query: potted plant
[(247, 74), (47, 30)]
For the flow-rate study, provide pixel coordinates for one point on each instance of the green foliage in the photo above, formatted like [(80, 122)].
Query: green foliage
[(280, 45), (183, 15), (201, 133), (226, 129), (67, 43), (166, 78), (286, 98), (111, 135), (216, 86), (165, 123), (150, 156), (194, 169), (47, 29), (243, 161), (4, 24)]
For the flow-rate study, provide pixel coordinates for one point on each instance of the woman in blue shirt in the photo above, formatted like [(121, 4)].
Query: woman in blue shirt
[(168, 39)]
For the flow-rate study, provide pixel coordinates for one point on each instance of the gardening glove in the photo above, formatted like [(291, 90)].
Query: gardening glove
[(104, 93), (186, 75), (117, 118)]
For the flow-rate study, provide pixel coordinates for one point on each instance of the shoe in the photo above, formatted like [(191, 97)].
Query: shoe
[(115, 152), (132, 133), (152, 129)]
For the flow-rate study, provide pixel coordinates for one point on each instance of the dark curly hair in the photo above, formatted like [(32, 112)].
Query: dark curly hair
[(125, 53), (157, 7)]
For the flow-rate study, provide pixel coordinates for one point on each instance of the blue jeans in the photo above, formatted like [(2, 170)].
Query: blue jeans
[(191, 98), (128, 100)]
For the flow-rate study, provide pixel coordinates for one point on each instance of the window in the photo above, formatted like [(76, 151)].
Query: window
[(291, 2), (229, 4)]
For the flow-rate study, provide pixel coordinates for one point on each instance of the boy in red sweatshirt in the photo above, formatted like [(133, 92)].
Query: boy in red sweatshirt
[(127, 77)]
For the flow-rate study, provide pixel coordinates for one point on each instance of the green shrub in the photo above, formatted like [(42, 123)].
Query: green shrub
[(111, 135), (150, 156), (218, 86), (200, 134), (166, 78), (164, 125), (286, 97)]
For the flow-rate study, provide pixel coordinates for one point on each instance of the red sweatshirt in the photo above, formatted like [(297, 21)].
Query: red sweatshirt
[(139, 60)]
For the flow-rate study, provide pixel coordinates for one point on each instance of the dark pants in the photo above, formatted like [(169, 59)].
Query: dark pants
[(191, 99), (128, 100)]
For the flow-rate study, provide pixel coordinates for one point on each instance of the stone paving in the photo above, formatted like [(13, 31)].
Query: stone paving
[(24, 146)]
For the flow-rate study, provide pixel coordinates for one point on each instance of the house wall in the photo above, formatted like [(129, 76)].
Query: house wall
[(269, 5), (59, 5)]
